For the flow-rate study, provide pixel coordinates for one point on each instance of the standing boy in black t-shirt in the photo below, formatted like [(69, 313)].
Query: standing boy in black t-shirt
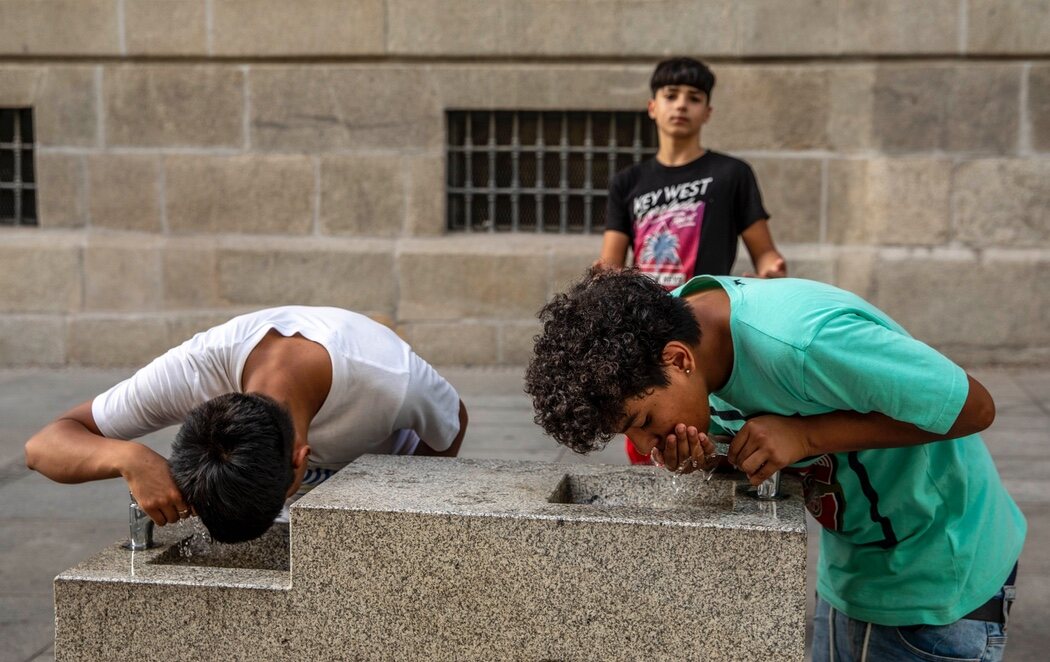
[(681, 212)]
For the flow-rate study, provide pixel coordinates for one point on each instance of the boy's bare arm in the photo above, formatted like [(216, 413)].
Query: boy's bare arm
[(452, 450), (614, 250), (767, 444), (769, 263), (73, 450)]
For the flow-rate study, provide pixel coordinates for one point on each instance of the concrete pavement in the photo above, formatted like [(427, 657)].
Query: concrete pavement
[(46, 528)]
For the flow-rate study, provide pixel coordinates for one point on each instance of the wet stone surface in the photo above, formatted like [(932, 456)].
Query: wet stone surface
[(270, 552)]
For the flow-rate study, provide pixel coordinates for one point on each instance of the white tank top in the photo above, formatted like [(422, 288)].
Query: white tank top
[(379, 385)]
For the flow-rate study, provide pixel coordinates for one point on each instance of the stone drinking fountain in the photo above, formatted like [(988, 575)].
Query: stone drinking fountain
[(410, 558)]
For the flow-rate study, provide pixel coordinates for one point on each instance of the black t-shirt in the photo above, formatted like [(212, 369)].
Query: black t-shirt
[(684, 220)]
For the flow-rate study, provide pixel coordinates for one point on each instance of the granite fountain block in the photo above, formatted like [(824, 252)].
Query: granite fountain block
[(398, 558)]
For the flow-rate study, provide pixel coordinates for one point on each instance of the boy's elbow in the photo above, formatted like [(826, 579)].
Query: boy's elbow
[(986, 414), (980, 407), (32, 454), (37, 452)]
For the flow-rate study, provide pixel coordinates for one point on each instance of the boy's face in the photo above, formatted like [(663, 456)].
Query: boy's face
[(680, 111), (653, 416)]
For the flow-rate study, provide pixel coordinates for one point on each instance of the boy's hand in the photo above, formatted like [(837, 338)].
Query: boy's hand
[(149, 479), (772, 266), (686, 450), (776, 268), (767, 444)]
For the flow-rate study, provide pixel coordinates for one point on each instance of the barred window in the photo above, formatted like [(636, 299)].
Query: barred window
[(538, 171), (17, 171)]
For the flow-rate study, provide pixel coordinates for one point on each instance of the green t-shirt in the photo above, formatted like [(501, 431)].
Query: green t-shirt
[(917, 535)]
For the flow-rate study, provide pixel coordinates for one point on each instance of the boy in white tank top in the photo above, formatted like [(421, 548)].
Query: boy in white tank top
[(267, 400)]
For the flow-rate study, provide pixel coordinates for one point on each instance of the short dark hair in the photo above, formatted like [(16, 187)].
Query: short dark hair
[(602, 344), (232, 461), (683, 71)]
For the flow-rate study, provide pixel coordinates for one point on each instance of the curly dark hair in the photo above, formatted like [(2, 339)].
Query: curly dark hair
[(602, 344)]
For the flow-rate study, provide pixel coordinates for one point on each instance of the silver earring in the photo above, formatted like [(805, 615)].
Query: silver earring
[(687, 371)]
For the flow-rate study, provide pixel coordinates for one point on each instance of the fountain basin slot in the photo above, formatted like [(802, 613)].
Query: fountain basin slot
[(268, 552), (638, 490)]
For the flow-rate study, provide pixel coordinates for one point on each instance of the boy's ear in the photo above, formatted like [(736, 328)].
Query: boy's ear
[(677, 355), (651, 108), (299, 455)]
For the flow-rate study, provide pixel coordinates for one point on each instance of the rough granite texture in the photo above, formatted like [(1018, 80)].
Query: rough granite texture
[(399, 558)]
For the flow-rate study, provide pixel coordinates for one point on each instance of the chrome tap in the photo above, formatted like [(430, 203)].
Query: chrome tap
[(769, 489), (141, 525)]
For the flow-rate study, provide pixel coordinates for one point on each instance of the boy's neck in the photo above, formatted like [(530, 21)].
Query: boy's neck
[(711, 309), (295, 372), (679, 151)]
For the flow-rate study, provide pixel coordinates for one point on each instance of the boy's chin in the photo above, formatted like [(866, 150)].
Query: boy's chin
[(679, 130)]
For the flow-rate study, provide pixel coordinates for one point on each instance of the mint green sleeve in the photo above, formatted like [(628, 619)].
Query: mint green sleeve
[(856, 364), (715, 429)]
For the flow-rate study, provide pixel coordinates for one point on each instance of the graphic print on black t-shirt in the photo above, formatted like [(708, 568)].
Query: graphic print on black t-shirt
[(684, 220), (667, 229)]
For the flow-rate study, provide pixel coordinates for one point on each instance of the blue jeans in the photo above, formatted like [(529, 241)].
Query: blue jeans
[(839, 638)]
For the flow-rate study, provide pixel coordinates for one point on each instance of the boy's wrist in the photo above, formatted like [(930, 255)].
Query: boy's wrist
[(125, 457)]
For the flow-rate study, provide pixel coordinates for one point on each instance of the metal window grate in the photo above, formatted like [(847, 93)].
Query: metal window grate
[(17, 171), (538, 171)]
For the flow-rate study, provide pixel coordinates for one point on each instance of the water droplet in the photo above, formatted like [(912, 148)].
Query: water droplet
[(677, 483)]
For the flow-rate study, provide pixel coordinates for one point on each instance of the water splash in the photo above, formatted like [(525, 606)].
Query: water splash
[(198, 541), (677, 483)]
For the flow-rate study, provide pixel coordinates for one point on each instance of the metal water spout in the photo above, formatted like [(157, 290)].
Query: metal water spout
[(769, 489), (141, 527)]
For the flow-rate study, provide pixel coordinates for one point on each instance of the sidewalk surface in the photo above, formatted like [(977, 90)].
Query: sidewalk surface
[(46, 528)]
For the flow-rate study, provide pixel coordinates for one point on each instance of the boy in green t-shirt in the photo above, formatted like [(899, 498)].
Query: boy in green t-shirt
[(682, 212), (920, 540)]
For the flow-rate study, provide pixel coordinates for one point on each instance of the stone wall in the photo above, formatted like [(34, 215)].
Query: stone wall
[(199, 158)]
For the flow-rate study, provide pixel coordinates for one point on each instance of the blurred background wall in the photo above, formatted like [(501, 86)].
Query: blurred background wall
[(192, 159)]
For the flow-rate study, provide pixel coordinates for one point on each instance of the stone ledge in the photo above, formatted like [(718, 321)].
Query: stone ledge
[(524, 28), (485, 553), (487, 287)]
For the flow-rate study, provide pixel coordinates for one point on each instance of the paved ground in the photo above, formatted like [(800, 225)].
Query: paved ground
[(46, 528)]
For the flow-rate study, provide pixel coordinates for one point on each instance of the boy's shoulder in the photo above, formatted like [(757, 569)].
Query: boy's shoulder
[(632, 173), (727, 161), (649, 173)]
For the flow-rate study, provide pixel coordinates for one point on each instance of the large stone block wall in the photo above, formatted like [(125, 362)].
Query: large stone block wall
[(200, 158)]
